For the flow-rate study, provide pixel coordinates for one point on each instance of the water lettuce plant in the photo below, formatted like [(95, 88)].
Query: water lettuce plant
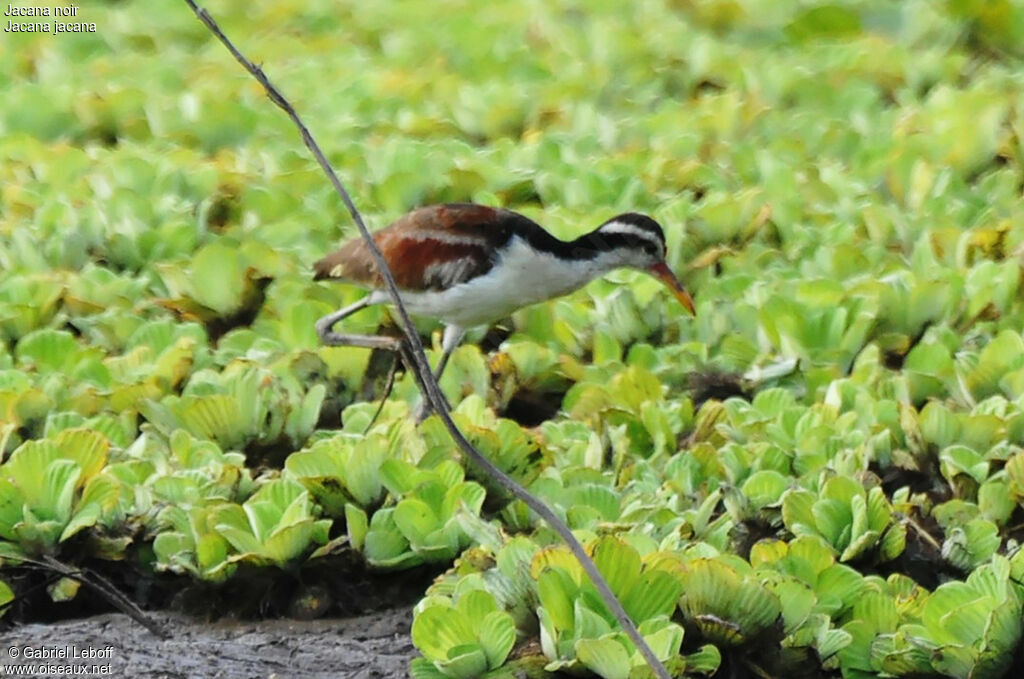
[(858, 523), (724, 600), (962, 629), (244, 404), (277, 526), (52, 489), (575, 626), (461, 639), (422, 526), (824, 468), (187, 542), (342, 470)]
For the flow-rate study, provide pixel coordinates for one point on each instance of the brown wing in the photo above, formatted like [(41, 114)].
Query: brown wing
[(432, 248)]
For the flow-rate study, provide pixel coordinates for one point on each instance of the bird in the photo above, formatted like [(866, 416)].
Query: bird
[(469, 265)]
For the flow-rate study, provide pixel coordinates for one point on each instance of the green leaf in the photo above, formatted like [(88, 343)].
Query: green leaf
[(497, 634), (421, 668), (654, 593), (556, 592), (416, 520), (6, 597), (606, 657), (437, 630), (217, 280), (289, 543), (618, 562), (765, 487), (798, 512), (358, 525), (728, 608), (65, 589), (231, 521)]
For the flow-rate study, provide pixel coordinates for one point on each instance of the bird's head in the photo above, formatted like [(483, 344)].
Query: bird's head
[(637, 241)]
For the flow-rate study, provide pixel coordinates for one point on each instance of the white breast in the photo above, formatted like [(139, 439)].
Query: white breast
[(523, 276)]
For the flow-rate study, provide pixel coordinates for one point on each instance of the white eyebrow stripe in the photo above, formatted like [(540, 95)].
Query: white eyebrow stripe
[(628, 229)]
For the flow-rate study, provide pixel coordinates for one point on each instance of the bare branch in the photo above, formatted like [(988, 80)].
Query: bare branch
[(421, 367), (98, 584)]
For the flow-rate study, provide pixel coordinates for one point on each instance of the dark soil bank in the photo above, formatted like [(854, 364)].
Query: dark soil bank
[(375, 644)]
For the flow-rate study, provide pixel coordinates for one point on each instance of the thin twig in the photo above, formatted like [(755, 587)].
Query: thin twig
[(388, 386), (100, 585), (413, 348), (925, 535), (24, 594)]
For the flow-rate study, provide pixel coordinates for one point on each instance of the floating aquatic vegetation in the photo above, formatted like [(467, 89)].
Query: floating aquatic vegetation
[(726, 602), (844, 414), (859, 524), (277, 526), (52, 489), (463, 639), (423, 525)]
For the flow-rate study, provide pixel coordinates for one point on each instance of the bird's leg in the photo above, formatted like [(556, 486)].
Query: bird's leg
[(324, 325), (329, 337), (453, 335)]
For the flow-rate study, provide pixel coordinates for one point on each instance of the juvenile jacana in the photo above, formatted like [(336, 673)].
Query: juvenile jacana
[(469, 265)]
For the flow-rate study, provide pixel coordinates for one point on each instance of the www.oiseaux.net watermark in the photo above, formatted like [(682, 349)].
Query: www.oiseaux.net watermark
[(34, 18), (57, 661)]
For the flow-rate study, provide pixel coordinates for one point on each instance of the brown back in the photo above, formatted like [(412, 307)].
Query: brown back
[(431, 248)]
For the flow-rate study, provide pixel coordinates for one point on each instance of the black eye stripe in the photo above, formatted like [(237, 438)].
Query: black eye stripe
[(640, 228), (613, 241)]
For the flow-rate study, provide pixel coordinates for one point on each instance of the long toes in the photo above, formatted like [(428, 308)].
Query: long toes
[(332, 338)]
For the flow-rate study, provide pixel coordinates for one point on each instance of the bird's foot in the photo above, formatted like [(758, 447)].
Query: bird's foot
[(337, 339), (331, 338)]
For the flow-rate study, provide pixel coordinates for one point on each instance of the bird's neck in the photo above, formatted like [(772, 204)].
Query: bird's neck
[(568, 265), (578, 272), (596, 253)]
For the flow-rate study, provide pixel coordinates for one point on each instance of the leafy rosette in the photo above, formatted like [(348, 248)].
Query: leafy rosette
[(972, 544), (461, 639), (859, 524), (277, 525), (29, 301), (188, 543), (423, 524), (182, 472), (576, 627), (502, 441), (813, 591), (52, 489), (725, 601), (631, 398), (243, 404), (343, 469), (966, 630)]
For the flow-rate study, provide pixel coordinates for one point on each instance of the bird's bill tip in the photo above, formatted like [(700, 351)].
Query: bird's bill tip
[(662, 272)]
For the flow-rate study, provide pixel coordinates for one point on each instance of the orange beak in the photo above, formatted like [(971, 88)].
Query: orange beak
[(662, 272)]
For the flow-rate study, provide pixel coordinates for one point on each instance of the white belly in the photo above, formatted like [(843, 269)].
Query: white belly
[(522, 277)]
